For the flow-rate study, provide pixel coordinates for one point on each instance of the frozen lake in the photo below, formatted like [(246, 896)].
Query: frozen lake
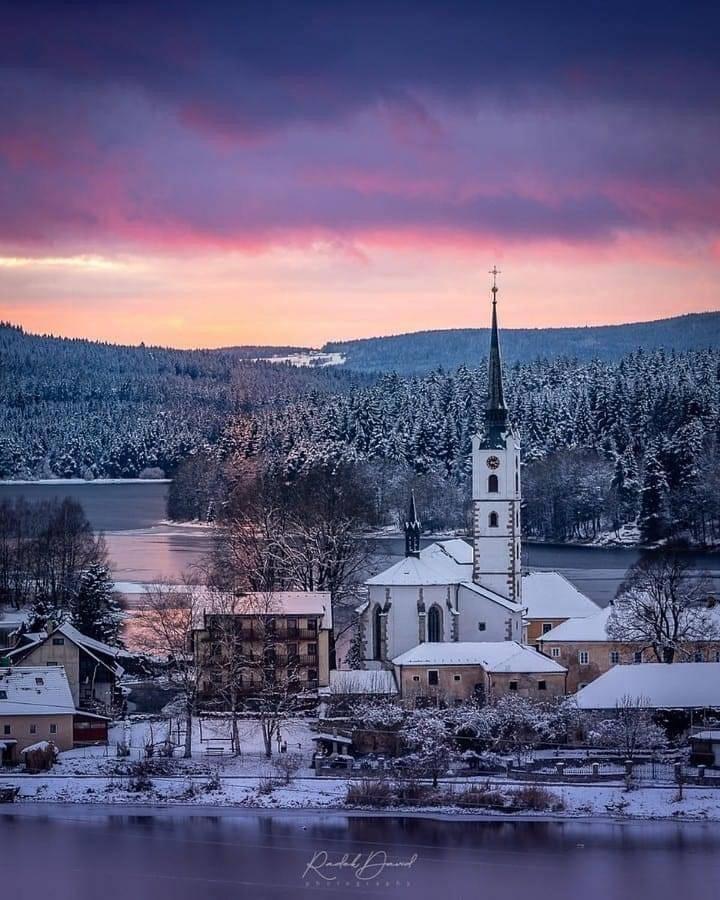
[(91, 851), (143, 547)]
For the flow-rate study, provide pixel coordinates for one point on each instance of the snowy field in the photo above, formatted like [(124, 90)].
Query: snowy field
[(96, 775)]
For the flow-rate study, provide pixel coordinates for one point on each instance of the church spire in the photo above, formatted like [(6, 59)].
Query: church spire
[(412, 529), (495, 411)]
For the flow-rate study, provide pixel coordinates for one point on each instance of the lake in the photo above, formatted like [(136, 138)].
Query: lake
[(85, 851), (144, 547)]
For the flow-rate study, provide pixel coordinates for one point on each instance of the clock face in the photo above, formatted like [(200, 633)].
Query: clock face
[(493, 462)]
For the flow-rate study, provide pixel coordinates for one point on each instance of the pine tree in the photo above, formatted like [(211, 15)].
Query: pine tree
[(653, 519), (95, 610), (356, 652)]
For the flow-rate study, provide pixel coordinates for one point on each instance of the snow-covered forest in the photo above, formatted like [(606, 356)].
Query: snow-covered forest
[(605, 443), (83, 409)]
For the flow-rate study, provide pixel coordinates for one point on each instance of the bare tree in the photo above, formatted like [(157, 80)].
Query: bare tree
[(245, 653), (166, 618), (661, 605)]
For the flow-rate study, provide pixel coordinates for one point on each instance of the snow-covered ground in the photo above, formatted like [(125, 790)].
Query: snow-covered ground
[(310, 358), (96, 775)]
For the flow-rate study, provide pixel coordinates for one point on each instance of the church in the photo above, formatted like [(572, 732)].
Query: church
[(451, 591)]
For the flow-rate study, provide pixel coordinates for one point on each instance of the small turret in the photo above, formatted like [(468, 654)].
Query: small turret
[(413, 529)]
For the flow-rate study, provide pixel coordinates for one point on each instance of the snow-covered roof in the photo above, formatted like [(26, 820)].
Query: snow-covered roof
[(706, 736), (280, 603), (549, 595), (360, 681), (35, 691), (489, 595), (655, 686), (90, 643), (583, 628), (493, 656)]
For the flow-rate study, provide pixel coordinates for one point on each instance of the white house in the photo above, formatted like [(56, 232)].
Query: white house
[(655, 686)]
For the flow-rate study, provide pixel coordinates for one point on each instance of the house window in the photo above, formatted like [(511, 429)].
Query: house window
[(433, 677), (434, 625), (583, 657), (717, 656), (547, 626), (312, 675), (482, 626), (312, 649), (637, 656), (493, 520), (513, 685), (39, 681), (555, 652), (416, 678), (457, 677), (52, 662), (6, 729), (53, 728), (58, 642), (312, 625), (3, 695), (33, 729), (493, 485), (614, 657), (697, 656), (542, 685)]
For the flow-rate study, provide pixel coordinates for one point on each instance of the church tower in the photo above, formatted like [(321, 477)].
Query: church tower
[(496, 485)]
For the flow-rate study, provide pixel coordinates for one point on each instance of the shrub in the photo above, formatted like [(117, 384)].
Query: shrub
[(482, 796), (534, 797), (375, 792), (265, 786)]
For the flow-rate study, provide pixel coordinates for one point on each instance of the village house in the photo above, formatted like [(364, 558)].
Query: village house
[(289, 631), (93, 668), (586, 650), (36, 704), (483, 670), (694, 687)]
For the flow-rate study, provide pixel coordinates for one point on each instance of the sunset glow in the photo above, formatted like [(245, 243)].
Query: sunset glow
[(209, 180)]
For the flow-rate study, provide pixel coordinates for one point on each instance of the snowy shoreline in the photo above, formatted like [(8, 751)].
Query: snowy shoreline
[(77, 481)]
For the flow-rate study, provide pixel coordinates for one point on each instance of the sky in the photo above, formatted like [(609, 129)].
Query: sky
[(210, 174)]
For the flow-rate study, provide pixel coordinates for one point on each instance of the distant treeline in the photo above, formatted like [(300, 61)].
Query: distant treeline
[(423, 351)]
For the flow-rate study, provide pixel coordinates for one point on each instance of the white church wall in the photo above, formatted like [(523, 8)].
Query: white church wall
[(475, 609)]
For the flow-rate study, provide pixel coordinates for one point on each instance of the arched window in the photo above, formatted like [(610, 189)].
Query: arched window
[(434, 625), (493, 520), (492, 484), (376, 633)]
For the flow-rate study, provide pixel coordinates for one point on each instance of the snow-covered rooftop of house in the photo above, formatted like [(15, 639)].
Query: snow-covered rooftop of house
[(360, 681), (493, 656), (443, 562), (549, 595), (35, 691), (655, 686), (583, 628), (90, 643), (279, 603), (706, 736)]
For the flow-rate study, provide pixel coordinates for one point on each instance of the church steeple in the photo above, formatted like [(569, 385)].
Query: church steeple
[(412, 529), (495, 411)]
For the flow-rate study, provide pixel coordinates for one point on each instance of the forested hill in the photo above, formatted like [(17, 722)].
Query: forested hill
[(424, 351), (78, 408)]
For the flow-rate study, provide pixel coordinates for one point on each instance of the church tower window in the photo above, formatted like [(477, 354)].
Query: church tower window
[(492, 484), (434, 625), (376, 633), (493, 520)]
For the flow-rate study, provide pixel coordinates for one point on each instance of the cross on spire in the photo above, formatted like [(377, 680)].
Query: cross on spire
[(494, 272)]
